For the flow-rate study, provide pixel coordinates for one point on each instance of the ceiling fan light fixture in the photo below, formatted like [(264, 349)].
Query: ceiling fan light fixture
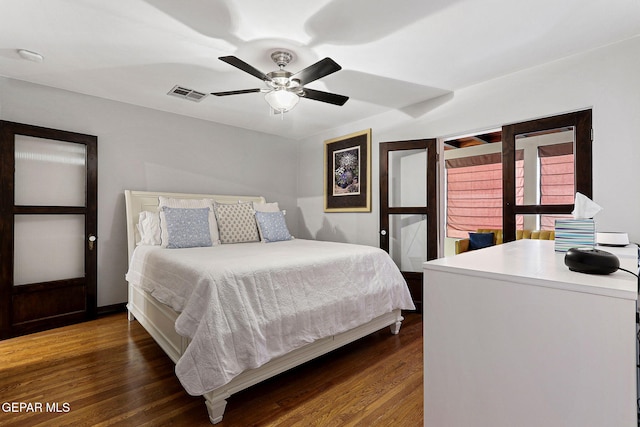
[(281, 100), (285, 89)]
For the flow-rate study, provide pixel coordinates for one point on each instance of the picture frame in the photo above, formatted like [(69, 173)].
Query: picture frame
[(347, 173)]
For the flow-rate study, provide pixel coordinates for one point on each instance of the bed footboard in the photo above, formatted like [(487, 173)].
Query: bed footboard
[(159, 320), (216, 400)]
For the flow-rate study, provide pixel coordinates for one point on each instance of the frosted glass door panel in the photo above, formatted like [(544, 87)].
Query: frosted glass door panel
[(48, 248), (408, 241), (49, 172), (407, 178)]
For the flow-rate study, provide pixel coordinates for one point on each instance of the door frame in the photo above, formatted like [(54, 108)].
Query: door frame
[(8, 292)]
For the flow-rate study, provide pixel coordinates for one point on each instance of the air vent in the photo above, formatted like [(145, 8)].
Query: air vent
[(190, 94)]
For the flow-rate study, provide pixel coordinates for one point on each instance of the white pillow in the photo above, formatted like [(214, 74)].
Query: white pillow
[(149, 228), (266, 207), (188, 204)]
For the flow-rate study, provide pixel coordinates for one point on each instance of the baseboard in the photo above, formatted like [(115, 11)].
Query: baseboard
[(111, 309)]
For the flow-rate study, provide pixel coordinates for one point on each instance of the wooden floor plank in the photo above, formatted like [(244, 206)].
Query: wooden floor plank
[(110, 372)]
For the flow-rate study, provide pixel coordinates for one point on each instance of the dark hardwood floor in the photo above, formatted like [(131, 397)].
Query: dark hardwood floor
[(111, 372)]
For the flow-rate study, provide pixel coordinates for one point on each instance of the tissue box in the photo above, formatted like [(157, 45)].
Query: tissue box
[(574, 233)]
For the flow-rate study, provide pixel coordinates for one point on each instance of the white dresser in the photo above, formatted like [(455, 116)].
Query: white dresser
[(512, 337)]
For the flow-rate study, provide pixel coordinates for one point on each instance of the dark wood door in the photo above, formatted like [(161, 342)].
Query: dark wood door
[(408, 207), (578, 125), (48, 227)]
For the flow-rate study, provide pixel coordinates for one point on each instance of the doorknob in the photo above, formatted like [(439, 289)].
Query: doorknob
[(383, 232), (92, 240)]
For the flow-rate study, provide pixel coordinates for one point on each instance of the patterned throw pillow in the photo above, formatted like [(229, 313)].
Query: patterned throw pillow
[(236, 223), (272, 226), (265, 207), (188, 204), (187, 228)]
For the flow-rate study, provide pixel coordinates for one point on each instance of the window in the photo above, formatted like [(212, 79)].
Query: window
[(557, 180), (537, 166), (474, 193)]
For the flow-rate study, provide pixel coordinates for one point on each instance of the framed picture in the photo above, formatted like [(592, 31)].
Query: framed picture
[(347, 173)]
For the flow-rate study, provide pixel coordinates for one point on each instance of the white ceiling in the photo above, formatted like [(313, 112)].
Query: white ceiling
[(393, 53)]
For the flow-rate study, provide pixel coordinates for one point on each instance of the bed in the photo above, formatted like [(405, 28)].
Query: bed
[(232, 315)]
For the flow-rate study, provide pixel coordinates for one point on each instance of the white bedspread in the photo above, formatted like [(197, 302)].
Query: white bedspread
[(244, 304)]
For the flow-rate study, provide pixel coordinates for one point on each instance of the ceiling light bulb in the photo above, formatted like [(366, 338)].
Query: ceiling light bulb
[(281, 100), (30, 56)]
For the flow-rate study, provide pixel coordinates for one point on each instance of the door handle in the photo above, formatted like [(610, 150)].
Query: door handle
[(92, 240), (383, 232)]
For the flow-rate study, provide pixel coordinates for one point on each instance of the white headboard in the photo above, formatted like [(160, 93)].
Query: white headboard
[(138, 201)]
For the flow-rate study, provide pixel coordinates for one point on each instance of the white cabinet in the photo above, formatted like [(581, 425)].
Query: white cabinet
[(512, 337)]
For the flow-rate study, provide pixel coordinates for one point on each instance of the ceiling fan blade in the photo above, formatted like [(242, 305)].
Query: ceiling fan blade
[(239, 63), (316, 71), (331, 98), (236, 92)]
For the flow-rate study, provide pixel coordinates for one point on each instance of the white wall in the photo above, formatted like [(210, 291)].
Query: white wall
[(606, 80), (150, 150), (145, 149)]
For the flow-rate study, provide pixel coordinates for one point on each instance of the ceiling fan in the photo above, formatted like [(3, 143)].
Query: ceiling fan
[(284, 89)]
